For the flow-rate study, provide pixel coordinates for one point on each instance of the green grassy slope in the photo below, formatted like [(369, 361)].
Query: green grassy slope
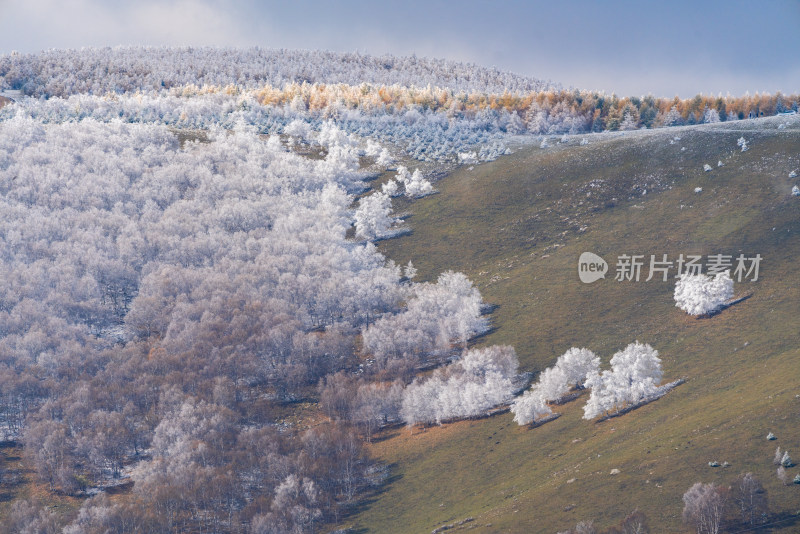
[(516, 227)]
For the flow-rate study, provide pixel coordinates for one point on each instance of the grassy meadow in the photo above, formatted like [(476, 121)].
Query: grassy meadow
[(516, 227)]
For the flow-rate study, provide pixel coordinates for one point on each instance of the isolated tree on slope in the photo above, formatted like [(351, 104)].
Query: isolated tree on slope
[(701, 294), (751, 499), (704, 507)]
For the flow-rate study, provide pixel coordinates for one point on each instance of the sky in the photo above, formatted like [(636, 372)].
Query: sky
[(627, 47)]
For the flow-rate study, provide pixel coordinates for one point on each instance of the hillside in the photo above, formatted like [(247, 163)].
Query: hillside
[(59, 72), (210, 323), (516, 227)]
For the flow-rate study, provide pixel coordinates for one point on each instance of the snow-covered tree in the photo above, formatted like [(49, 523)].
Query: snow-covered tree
[(373, 216), (415, 185), (606, 394), (782, 475), (710, 115), (704, 507), (410, 271), (530, 407), (552, 384), (638, 368), (670, 118), (742, 142), (479, 381), (436, 316), (750, 498), (701, 294), (577, 364), (629, 122), (635, 374), (390, 188), (571, 370)]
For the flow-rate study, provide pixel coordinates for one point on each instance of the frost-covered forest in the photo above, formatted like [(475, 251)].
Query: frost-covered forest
[(188, 248), (432, 110), (130, 69), (165, 296), (158, 300)]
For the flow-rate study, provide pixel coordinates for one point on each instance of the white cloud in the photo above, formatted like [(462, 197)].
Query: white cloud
[(184, 22), (32, 25)]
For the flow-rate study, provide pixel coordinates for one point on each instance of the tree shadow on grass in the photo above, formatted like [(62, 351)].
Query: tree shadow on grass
[(387, 432), (370, 497), (473, 340), (724, 307)]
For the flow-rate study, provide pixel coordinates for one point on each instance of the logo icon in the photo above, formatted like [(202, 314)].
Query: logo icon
[(591, 267)]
